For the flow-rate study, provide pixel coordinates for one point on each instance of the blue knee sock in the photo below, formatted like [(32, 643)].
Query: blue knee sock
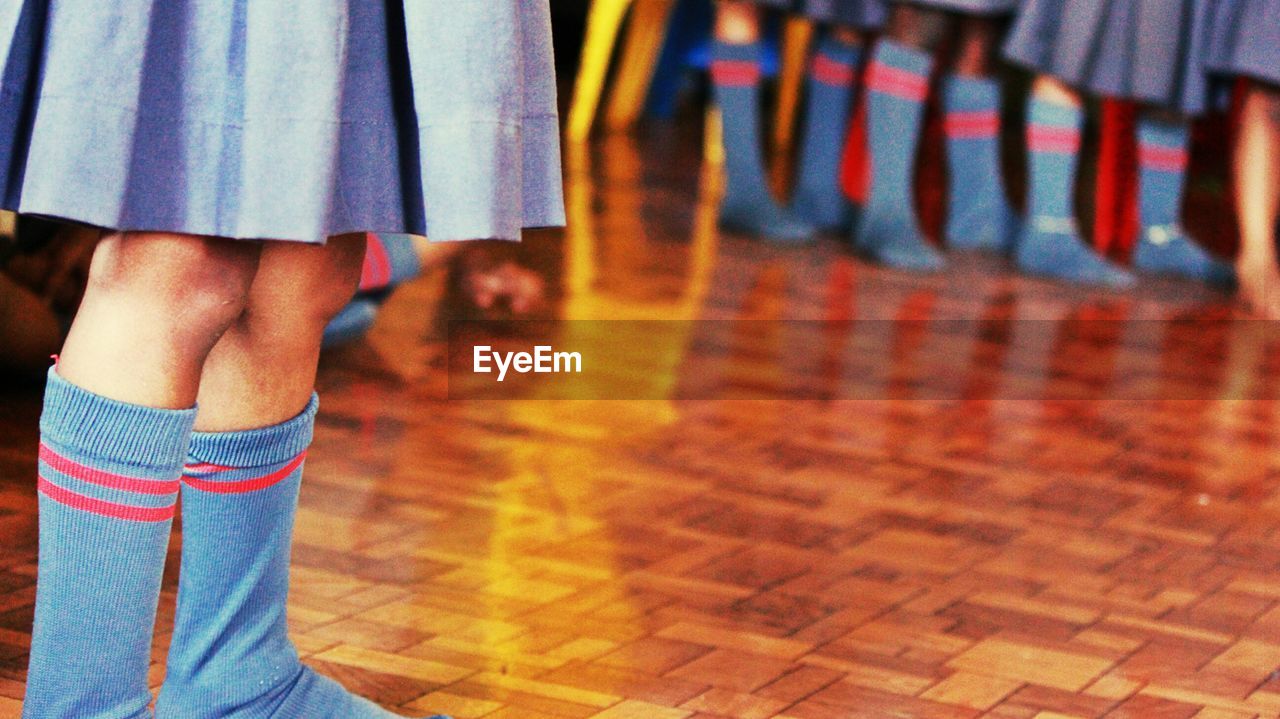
[(897, 86), (978, 215), (747, 205), (108, 484), (1050, 243), (231, 655), (1164, 247), (818, 198)]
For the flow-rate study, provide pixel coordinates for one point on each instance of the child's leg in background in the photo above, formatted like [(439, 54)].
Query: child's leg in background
[(897, 88), (747, 205), (231, 654), (833, 74), (1257, 178), (978, 214), (1050, 242), (1164, 246), (116, 423)]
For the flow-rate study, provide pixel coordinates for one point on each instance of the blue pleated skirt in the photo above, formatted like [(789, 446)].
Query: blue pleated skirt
[(1152, 51), (967, 7), (1246, 39), (857, 14), (281, 119)]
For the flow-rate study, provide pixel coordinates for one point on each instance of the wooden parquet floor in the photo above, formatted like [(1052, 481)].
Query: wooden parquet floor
[(1010, 554)]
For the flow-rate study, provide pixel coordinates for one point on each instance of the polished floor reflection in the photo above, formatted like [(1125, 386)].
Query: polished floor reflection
[(1012, 547)]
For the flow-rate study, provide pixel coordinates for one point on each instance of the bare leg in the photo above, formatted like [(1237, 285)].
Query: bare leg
[(979, 40), (1051, 89), (263, 370), (154, 307), (737, 22), (1257, 176), (919, 28)]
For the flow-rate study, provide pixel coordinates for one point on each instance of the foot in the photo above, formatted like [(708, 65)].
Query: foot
[(991, 226), (1167, 250), (893, 238), (1053, 247), (1260, 285), (827, 211), (312, 696), (765, 219)]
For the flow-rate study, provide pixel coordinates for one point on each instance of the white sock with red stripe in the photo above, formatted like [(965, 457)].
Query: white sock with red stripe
[(108, 485), (231, 655)]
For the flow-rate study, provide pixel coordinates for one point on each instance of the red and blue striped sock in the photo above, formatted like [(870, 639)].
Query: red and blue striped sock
[(231, 655), (1050, 243), (1165, 247), (897, 86), (747, 205), (108, 485), (978, 215), (818, 197)]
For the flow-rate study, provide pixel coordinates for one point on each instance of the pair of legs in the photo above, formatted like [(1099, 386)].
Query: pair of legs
[(1051, 243), (817, 202), (169, 322), (978, 215), (1257, 178)]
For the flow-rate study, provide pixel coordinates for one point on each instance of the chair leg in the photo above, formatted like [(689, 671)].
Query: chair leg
[(796, 39), (645, 37), (603, 23)]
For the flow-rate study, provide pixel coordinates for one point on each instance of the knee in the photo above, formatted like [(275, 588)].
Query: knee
[(200, 284), (300, 289)]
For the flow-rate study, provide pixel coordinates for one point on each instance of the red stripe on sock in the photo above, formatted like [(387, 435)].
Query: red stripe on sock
[(247, 485), (102, 507), (829, 71), (1058, 140), (963, 125), (1164, 159), (376, 272), (104, 479), (897, 82), (735, 73)]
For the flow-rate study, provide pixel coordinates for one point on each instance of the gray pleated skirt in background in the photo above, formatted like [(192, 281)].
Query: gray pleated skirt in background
[(1246, 39), (281, 119), (1152, 51), (968, 7), (856, 14)]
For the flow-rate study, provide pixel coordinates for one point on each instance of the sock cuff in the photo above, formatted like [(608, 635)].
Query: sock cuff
[(1172, 135), (95, 426), (389, 260), (1162, 146), (901, 57), (899, 71), (257, 447), (969, 94), (735, 64), (837, 50), (1052, 114)]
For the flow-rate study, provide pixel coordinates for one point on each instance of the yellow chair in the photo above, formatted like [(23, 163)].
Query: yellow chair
[(797, 36), (645, 36)]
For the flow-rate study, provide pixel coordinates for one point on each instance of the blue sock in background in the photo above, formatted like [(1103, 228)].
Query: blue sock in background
[(819, 199), (1050, 243), (231, 655), (897, 86), (108, 483), (1164, 247), (978, 215), (747, 205)]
